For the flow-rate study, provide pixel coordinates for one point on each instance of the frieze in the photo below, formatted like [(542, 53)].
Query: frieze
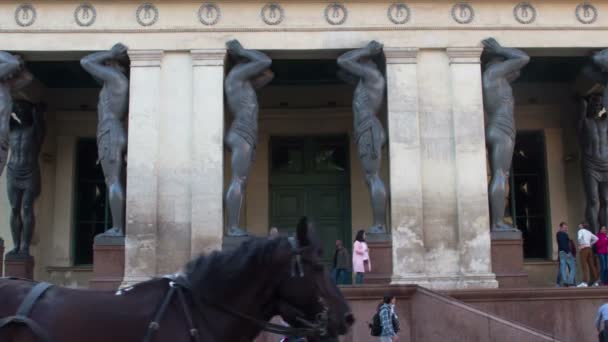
[(272, 14), (399, 13), (524, 13), (209, 14), (463, 13), (586, 13), (25, 15), (146, 14), (336, 14), (85, 15)]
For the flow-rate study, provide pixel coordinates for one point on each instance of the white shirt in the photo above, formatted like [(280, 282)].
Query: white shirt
[(586, 238)]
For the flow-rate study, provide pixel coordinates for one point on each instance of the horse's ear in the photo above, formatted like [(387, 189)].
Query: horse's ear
[(306, 234), (302, 232)]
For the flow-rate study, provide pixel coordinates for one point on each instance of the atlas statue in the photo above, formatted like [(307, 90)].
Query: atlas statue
[(109, 68), (27, 131), (502, 66), (593, 139), (14, 76), (359, 68), (251, 72)]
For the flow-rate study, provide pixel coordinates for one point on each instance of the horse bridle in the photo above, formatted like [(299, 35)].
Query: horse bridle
[(319, 327)]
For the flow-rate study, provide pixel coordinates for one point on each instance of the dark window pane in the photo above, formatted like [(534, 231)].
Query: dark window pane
[(92, 215), (287, 158), (529, 191), (534, 233), (331, 159), (529, 195), (85, 234)]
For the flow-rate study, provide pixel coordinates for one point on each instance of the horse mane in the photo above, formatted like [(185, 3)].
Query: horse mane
[(229, 271)]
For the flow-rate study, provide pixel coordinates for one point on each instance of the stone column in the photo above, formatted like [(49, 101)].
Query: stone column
[(207, 184), (142, 165), (470, 163), (404, 160)]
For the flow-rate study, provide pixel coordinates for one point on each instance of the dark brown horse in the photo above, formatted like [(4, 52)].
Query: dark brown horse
[(230, 296)]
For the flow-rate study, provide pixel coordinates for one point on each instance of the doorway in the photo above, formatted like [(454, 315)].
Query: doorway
[(310, 175)]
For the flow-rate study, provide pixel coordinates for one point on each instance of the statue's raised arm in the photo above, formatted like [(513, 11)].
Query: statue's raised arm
[(514, 59)]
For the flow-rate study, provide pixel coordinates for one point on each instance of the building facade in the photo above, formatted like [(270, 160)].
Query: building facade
[(434, 163)]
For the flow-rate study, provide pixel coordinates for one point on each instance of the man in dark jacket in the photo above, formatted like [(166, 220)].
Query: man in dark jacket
[(342, 263), (567, 263)]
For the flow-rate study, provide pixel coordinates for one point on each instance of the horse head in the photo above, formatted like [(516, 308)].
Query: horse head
[(308, 298)]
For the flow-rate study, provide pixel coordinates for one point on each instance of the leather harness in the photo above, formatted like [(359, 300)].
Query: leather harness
[(25, 309), (177, 285)]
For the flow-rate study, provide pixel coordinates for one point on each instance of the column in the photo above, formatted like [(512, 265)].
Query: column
[(207, 150), (404, 159), (174, 163), (142, 165), (470, 162)]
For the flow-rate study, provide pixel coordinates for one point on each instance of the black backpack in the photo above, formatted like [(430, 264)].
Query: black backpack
[(375, 327)]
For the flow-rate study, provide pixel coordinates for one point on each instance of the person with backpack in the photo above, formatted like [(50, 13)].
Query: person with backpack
[(385, 323)]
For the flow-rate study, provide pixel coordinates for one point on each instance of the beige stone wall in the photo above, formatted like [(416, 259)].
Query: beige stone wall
[(165, 69)]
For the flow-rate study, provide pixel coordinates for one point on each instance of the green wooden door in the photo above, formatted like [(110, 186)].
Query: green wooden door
[(310, 176)]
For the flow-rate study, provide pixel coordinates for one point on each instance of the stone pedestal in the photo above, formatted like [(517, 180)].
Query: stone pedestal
[(108, 262), (381, 255), (1, 257), (19, 266), (508, 259)]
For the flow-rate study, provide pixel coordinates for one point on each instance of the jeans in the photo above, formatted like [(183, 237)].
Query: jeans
[(603, 267), (567, 267), (339, 276), (359, 278)]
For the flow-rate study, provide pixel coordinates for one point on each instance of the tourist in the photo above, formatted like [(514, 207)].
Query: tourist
[(567, 263), (388, 319), (601, 247), (586, 239), (341, 263), (273, 233), (600, 322), (361, 262)]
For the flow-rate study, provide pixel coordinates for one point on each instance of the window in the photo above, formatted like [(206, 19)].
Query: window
[(528, 195), (92, 212)]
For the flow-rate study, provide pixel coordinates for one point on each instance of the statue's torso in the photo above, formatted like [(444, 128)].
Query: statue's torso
[(367, 99), (498, 104), (242, 101), (594, 138), (113, 101), (24, 147)]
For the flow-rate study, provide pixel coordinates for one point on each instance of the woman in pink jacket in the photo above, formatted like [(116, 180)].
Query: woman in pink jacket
[(601, 247), (361, 263)]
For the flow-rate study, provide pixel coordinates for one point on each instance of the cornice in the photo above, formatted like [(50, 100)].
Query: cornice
[(464, 55), (208, 57), (400, 55), (145, 58)]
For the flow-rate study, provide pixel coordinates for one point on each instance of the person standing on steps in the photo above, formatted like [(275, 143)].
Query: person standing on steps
[(567, 263), (361, 262), (586, 239)]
